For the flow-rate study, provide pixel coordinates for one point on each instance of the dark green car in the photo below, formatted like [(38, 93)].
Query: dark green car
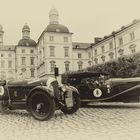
[(40, 97), (98, 87)]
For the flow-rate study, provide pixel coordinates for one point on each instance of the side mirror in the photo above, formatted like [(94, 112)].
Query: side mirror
[(56, 71)]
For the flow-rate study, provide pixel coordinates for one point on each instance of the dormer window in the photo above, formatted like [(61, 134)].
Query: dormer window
[(132, 36), (95, 51), (65, 39), (103, 49), (79, 55), (120, 41), (111, 45), (51, 38)]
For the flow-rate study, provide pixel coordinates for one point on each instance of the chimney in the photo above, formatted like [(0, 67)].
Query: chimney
[(97, 39)]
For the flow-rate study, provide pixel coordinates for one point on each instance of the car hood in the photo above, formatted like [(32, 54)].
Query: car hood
[(123, 80), (35, 82)]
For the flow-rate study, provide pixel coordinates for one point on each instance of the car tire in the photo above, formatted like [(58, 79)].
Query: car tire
[(41, 105), (75, 107)]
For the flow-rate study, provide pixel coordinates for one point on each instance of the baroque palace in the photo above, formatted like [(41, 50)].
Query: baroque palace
[(55, 48)]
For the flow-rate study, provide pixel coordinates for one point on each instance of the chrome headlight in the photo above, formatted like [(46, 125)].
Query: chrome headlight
[(108, 86), (1, 90)]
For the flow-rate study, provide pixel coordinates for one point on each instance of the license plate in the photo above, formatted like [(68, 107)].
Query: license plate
[(69, 100)]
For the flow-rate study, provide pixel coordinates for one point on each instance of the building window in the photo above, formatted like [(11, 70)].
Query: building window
[(51, 50), (32, 60), (51, 38), (80, 64), (2, 55), (2, 64), (23, 50), (89, 55), (132, 48), (120, 41), (31, 51), (23, 60), (9, 55), (10, 75), (132, 36), (111, 55), (103, 49), (96, 60), (121, 52), (65, 39), (79, 55), (103, 58), (32, 73), (3, 75), (10, 64), (67, 65), (66, 51), (52, 65), (111, 45), (90, 63), (95, 51)]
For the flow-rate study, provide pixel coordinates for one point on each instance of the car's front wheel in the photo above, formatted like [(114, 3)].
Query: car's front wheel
[(41, 105), (75, 107)]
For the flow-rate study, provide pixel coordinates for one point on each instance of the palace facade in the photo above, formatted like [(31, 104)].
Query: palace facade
[(55, 48)]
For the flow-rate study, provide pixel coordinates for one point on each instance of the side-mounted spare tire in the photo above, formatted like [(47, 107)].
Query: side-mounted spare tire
[(76, 105), (41, 105)]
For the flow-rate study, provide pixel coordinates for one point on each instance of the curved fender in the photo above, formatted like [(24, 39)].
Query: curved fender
[(42, 88), (74, 89), (132, 89)]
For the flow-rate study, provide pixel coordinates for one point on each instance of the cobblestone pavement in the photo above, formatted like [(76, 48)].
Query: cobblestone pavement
[(97, 122)]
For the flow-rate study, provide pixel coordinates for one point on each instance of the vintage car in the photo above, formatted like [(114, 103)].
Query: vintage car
[(98, 87), (40, 97)]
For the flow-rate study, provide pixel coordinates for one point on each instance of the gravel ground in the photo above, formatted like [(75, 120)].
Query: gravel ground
[(97, 122)]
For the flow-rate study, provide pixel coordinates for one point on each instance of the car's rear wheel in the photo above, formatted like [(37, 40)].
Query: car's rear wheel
[(41, 105), (76, 105)]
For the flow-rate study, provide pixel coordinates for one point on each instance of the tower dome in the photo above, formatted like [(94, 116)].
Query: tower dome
[(26, 41), (26, 28), (53, 15), (26, 32)]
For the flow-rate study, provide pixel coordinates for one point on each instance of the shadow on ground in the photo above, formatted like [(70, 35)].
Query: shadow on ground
[(113, 105)]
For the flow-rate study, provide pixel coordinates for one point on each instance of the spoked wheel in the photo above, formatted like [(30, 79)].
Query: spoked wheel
[(41, 105), (76, 105)]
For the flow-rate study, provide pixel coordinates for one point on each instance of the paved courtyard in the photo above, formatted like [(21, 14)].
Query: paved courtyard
[(97, 122)]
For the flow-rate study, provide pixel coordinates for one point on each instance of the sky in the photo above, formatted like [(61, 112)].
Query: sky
[(86, 19)]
